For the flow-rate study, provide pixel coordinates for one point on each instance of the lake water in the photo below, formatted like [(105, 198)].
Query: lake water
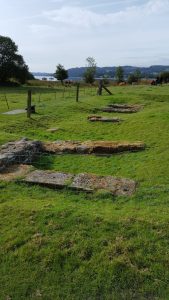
[(51, 78), (47, 78)]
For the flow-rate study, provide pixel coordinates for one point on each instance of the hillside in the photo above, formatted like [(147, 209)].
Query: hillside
[(110, 71)]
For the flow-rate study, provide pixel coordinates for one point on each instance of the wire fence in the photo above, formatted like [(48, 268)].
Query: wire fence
[(11, 99)]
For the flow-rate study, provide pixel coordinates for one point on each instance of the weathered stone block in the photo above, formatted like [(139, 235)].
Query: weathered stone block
[(50, 179), (116, 186)]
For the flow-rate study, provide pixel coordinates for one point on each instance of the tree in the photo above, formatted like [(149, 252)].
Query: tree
[(89, 74), (119, 74), (164, 77), (137, 75), (61, 74), (134, 77), (12, 64)]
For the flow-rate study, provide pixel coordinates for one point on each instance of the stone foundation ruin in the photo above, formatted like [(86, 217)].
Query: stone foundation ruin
[(15, 156), (121, 108)]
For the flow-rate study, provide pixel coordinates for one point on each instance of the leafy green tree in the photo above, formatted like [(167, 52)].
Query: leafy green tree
[(119, 74), (137, 75), (89, 74), (61, 74), (134, 77), (12, 64)]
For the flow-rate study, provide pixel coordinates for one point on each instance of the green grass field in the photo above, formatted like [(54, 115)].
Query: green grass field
[(72, 245)]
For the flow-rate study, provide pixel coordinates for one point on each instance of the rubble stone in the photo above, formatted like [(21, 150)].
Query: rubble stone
[(19, 152)]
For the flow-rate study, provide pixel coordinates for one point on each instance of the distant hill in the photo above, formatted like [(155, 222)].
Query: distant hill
[(151, 71)]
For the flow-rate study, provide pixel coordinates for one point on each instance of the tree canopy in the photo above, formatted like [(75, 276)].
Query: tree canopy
[(89, 74), (61, 73), (134, 77), (12, 64)]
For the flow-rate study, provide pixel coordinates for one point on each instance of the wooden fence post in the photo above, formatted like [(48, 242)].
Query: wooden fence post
[(77, 92), (99, 91), (106, 89), (6, 101), (29, 100)]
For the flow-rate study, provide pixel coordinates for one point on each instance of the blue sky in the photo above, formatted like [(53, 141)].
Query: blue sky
[(116, 32)]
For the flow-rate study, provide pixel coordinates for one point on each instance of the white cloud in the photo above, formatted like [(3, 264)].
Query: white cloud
[(113, 3), (121, 32), (157, 6), (83, 17)]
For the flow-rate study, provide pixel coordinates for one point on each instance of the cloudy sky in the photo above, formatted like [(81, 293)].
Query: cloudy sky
[(114, 32)]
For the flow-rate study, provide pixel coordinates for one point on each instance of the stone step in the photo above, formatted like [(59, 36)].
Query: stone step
[(83, 182)]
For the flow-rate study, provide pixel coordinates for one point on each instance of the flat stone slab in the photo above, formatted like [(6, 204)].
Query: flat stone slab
[(19, 152), (84, 182), (91, 147), (122, 108), (50, 179), (96, 118), (52, 130), (15, 112), (125, 106)]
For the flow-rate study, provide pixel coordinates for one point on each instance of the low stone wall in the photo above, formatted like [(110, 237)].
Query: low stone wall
[(92, 147), (25, 151)]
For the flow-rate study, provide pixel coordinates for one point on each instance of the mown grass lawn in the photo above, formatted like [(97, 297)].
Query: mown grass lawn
[(68, 245)]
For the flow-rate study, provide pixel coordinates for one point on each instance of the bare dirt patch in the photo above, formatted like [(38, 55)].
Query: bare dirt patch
[(15, 171)]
